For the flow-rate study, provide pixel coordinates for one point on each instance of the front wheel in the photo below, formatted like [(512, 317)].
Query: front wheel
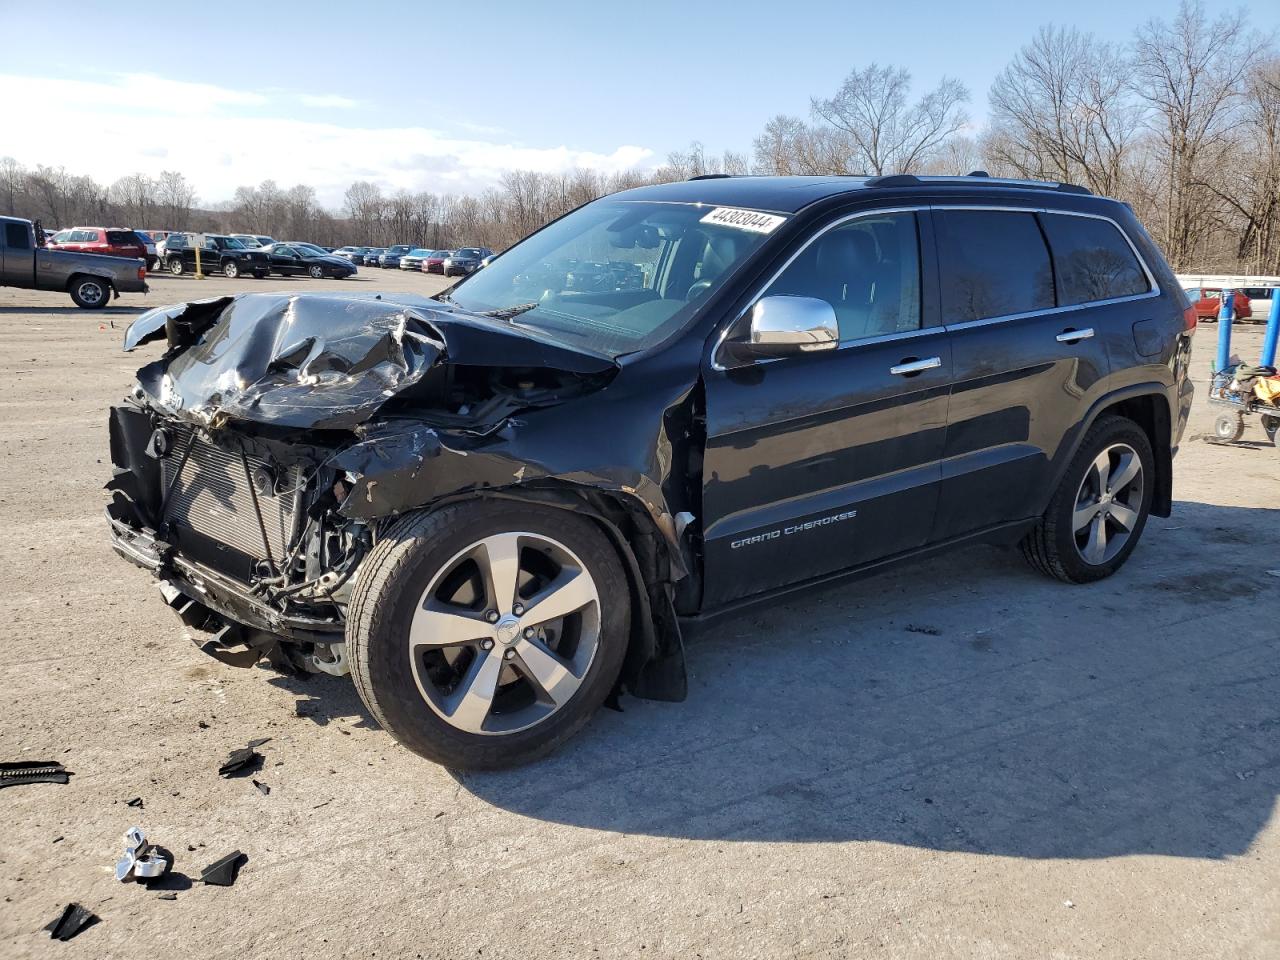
[(231, 270), (90, 293), (1229, 427), (1100, 508), (317, 272), (259, 274), (485, 634)]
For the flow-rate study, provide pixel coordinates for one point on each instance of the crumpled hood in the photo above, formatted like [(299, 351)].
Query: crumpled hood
[(321, 361)]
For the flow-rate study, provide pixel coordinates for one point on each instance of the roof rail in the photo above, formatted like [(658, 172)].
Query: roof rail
[(710, 176), (911, 180)]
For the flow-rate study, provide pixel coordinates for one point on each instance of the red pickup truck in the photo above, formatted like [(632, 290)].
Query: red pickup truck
[(109, 241)]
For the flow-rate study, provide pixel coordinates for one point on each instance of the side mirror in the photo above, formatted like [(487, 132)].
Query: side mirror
[(781, 326)]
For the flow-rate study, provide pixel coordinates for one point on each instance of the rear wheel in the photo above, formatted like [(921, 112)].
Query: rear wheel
[(1229, 426), (175, 266), (484, 635), (259, 274), (1098, 513), (90, 293)]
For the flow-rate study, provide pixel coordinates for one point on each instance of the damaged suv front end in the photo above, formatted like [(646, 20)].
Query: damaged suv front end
[(258, 461)]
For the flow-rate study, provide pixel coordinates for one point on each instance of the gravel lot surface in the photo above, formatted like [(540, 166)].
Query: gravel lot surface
[(960, 759)]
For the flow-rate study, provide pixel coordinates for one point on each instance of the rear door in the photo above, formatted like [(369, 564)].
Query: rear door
[(822, 461), (1028, 363), (17, 258)]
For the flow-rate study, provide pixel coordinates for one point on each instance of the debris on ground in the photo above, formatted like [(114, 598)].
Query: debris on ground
[(71, 921), (222, 873), (168, 896), (135, 802), (262, 787), (141, 860), (244, 760), (32, 771), (929, 631)]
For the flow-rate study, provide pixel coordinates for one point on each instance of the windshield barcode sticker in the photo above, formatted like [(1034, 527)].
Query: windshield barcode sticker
[(752, 220)]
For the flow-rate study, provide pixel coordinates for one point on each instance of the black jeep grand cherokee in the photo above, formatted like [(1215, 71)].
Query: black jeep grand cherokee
[(498, 507)]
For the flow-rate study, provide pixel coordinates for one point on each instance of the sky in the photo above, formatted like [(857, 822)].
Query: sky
[(445, 97)]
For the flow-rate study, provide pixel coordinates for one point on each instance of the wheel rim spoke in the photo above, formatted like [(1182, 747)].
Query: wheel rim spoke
[(1125, 516), (1083, 516), (502, 569), (1102, 467), (1126, 471), (470, 704), (552, 674), (435, 626), (1096, 548), (568, 593)]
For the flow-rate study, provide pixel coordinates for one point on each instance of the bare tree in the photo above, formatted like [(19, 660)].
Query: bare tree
[(1191, 74), (1065, 109), (175, 199), (883, 132)]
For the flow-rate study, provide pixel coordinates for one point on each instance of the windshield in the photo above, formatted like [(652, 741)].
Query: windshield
[(618, 276)]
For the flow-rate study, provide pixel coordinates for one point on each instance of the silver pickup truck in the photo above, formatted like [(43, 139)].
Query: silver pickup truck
[(90, 278)]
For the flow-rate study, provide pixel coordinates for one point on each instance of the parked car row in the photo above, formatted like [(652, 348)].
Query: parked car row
[(449, 263), (232, 257)]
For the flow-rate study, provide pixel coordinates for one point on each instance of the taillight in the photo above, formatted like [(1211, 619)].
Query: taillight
[(142, 272), (1189, 318)]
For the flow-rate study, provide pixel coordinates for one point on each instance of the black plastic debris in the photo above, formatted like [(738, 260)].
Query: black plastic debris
[(73, 919), (262, 787), (244, 760), (135, 802), (32, 771), (168, 896), (222, 873)]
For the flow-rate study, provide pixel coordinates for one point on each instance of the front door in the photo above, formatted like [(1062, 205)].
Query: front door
[(823, 461)]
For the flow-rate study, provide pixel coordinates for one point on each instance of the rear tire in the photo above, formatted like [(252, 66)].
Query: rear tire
[(90, 293), (429, 562), (176, 266), (1229, 427), (1059, 546)]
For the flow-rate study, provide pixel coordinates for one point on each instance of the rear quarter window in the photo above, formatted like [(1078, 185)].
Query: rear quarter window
[(17, 236), (1092, 260), (123, 236), (993, 263)]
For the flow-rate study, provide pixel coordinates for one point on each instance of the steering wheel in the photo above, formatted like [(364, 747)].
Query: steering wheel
[(696, 290)]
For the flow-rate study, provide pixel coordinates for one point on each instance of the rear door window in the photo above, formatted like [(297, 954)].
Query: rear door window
[(994, 263), (127, 237), (1092, 260)]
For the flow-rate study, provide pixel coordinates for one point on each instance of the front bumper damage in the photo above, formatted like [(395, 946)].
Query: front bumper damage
[(315, 421)]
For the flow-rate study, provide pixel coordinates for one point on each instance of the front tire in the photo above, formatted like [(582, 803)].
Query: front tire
[(485, 634), (90, 293), (231, 270), (317, 273), (1097, 514)]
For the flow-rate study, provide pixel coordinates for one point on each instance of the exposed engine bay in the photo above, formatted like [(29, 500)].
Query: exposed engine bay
[(259, 460)]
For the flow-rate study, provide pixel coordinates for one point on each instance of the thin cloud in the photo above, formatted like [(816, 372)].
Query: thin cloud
[(242, 139), (329, 101)]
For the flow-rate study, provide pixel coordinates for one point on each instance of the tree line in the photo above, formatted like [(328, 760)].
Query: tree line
[(1182, 122)]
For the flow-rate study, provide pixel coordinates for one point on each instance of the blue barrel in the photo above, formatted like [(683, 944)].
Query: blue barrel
[(1273, 332), (1225, 314)]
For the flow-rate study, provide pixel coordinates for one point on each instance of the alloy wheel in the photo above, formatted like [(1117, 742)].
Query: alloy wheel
[(505, 633), (1108, 504), (91, 293)]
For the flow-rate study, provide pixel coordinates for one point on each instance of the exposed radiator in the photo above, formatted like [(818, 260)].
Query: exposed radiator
[(212, 496)]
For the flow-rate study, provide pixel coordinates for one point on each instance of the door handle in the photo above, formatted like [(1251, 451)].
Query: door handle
[(1073, 336), (911, 367)]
